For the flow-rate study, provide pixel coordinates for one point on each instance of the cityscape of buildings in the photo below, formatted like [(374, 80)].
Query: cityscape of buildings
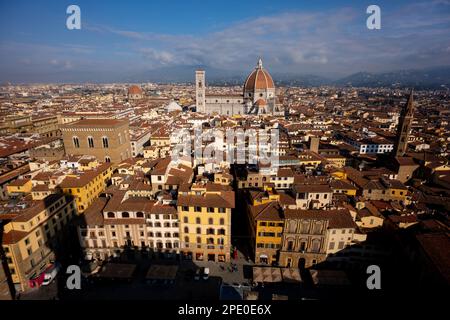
[(224, 156), (89, 175)]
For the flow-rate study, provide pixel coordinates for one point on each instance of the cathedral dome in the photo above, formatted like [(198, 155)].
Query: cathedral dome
[(259, 79), (134, 90)]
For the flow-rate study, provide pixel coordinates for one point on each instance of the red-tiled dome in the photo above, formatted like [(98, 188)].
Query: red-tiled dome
[(134, 90), (259, 79)]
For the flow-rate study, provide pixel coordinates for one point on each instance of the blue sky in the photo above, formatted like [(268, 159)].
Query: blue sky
[(121, 38)]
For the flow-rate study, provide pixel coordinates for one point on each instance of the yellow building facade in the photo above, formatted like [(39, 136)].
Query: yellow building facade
[(32, 234), (205, 223), (87, 186)]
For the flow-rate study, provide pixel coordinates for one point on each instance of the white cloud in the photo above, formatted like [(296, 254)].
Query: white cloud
[(304, 42)]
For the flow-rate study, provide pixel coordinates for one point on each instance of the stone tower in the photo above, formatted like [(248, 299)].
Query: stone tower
[(314, 144), (200, 90), (404, 126)]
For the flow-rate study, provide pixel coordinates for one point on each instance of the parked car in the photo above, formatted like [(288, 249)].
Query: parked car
[(206, 274), (50, 274)]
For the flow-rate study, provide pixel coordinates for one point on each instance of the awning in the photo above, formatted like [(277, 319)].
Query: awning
[(291, 275), (266, 274)]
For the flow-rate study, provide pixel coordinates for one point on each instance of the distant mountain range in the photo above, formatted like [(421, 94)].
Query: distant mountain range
[(431, 78), (426, 78)]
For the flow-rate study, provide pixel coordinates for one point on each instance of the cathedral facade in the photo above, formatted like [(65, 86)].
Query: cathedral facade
[(258, 96)]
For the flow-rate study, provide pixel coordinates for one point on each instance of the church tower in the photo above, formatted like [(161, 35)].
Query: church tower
[(200, 91), (404, 126)]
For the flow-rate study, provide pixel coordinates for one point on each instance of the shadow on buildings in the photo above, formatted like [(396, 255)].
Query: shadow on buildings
[(7, 290)]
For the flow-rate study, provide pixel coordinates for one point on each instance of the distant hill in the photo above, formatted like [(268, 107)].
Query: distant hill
[(431, 78), (435, 78)]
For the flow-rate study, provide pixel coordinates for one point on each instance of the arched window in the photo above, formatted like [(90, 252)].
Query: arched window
[(90, 142), (139, 215), (186, 230), (111, 215), (222, 221), (199, 240), (105, 142), (107, 159), (76, 142), (186, 239), (125, 215), (210, 221), (199, 230)]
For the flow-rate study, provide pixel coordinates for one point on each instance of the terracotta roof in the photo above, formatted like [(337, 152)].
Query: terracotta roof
[(133, 204), (38, 206), (259, 79), (224, 200), (319, 188), (89, 123), (342, 184), (13, 236), (93, 216), (270, 211), (307, 214), (163, 209), (403, 219), (286, 199), (40, 187), (84, 177), (285, 172), (5, 177), (19, 182), (338, 219), (134, 89)]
